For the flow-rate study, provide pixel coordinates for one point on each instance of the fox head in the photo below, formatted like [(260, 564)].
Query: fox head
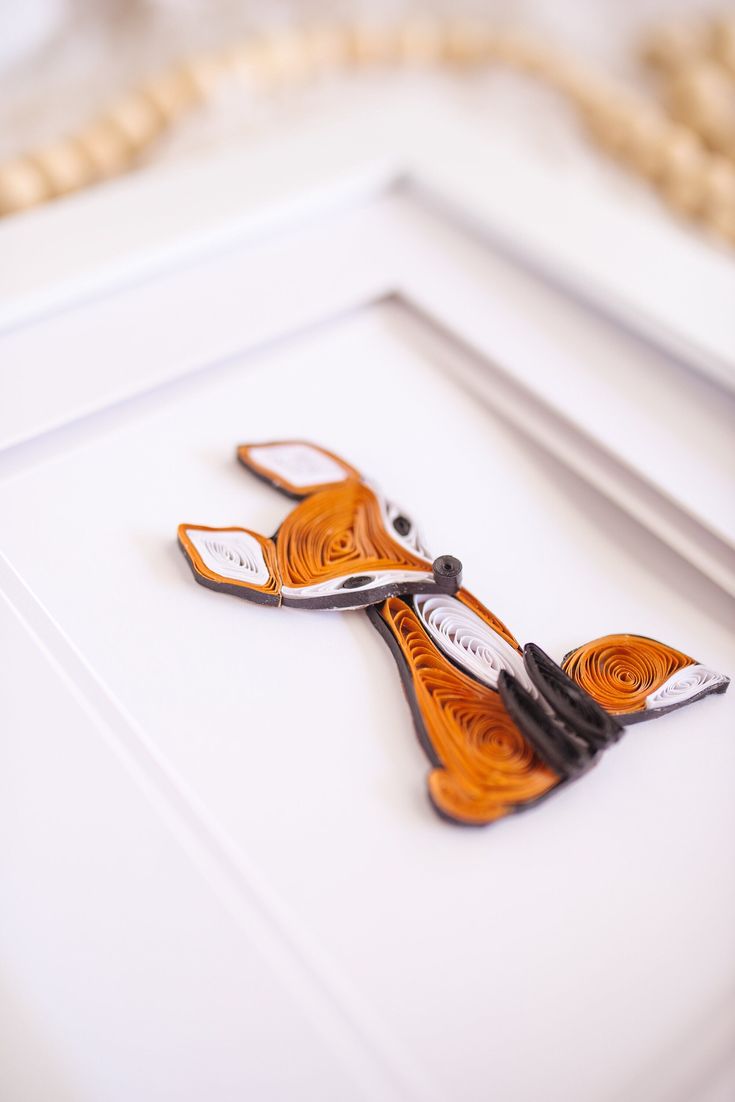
[(342, 546)]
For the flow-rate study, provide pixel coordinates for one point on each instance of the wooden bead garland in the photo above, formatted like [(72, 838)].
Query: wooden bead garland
[(687, 151)]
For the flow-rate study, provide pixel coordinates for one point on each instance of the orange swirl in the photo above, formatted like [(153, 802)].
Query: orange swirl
[(338, 531), (620, 671), (485, 767)]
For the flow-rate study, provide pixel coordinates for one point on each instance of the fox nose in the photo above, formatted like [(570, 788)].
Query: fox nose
[(447, 573)]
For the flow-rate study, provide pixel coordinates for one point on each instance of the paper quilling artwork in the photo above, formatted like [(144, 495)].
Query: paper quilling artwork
[(502, 725)]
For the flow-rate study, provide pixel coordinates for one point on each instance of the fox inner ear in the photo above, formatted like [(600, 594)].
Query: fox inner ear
[(295, 467), (233, 560)]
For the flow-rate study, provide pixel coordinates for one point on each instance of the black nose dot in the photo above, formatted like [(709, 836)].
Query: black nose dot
[(447, 572), (357, 582), (402, 525)]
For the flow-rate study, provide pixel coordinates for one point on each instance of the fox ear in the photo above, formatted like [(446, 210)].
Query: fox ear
[(636, 678), (233, 560), (295, 467)]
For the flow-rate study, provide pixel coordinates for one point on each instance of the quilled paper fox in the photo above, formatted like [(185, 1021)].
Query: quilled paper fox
[(502, 725)]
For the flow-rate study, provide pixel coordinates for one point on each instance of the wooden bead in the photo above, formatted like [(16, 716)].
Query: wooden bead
[(138, 118), (64, 166), (240, 61), (290, 57), (555, 68), (644, 144), (205, 73), (172, 93), (106, 148), (718, 182), (22, 185), (521, 51), (681, 173), (723, 223), (372, 44), (669, 47), (272, 61), (702, 96), (328, 47), (723, 43), (468, 43), (682, 153), (421, 41), (684, 191), (586, 91), (610, 121)]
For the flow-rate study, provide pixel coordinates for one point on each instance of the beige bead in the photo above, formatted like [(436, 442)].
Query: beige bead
[(172, 93), (276, 60), (328, 47), (610, 121), (373, 44), (723, 223), (290, 57), (22, 185), (681, 178), (553, 67), (421, 41), (106, 147), (584, 88), (682, 164), (718, 182), (138, 118), (205, 74), (521, 51), (469, 43), (263, 65), (682, 153), (239, 61), (644, 143), (680, 199), (64, 166), (671, 46), (684, 190), (723, 43), (702, 96)]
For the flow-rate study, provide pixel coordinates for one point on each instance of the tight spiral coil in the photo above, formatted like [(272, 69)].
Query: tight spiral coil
[(621, 671)]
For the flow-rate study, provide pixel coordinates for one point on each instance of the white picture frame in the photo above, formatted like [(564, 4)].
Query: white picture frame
[(133, 322)]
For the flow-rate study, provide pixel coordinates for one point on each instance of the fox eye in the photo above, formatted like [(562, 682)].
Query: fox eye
[(403, 529), (357, 582)]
